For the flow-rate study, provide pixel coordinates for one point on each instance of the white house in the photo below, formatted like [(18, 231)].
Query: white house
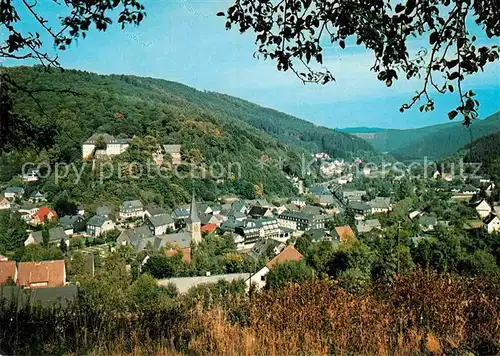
[(28, 209), (55, 236), (258, 280), (114, 145), (483, 209), (132, 209), (299, 201), (37, 197), (14, 192), (492, 224), (30, 176), (160, 223), (97, 225), (380, 205)]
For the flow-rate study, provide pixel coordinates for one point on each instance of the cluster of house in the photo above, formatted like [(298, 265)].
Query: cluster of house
[(255, 222), (489, 217), (355, 199), (31, 210), (252, 223), (173, 232)]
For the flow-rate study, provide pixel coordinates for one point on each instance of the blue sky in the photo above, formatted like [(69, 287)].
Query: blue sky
[(183, 41)]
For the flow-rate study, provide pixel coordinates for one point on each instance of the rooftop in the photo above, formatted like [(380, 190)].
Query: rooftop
[(55, 235), (180, 239), (288, 254), (45, 273), (106, 138), (97, 220), (160, 220), (183, 284), (172, 148)]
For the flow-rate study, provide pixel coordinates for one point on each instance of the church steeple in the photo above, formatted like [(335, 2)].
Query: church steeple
[(194, 222), (194, 210)]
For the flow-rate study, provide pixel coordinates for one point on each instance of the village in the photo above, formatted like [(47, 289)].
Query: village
[(335, 211)]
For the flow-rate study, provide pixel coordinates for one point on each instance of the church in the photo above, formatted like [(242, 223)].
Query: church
[(194, 222), (139, 238)]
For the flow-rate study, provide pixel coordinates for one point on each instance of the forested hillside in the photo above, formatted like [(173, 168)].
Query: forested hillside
[(211, 128), (448, 139), (298, 133), (390, 139), (431, 141), (487, 151)]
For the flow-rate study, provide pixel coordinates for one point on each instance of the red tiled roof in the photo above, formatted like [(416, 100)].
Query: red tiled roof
[(345, 233), (288, 254), (44, 212), (41, 274), (7, 269), (186, 253), (208, 228)]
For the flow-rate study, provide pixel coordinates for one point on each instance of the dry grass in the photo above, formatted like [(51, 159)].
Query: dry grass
[(422, 313)]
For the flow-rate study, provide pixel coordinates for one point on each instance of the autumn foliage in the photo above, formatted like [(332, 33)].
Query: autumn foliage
[(420, 313)]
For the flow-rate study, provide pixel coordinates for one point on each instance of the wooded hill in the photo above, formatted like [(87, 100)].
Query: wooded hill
[(487, 151), (432, 141), (211, 128)]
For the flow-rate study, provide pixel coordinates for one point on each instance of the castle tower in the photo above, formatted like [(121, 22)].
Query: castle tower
[(194, 222)]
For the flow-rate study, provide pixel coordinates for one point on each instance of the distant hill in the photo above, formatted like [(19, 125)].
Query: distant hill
[(361, 129), (487, 151), (431, 141), (442, 140)]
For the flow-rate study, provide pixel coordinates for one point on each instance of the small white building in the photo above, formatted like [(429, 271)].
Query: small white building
[(258, 280), (492, 224), (30, 176), (380, 205), (132, 209), (414, 214), (37, 197), (97, 225), (113, 145), (299, 201), (14, 192), (483, 209)]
